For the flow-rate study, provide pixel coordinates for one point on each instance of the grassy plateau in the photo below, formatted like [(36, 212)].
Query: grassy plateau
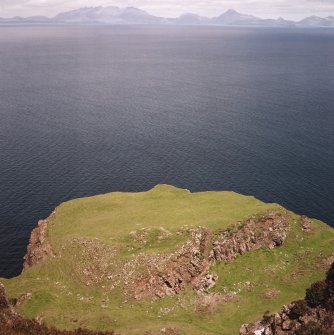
[(95, 241)]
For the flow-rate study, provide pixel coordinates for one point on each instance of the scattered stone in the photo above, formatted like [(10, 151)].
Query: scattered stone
[(208, 303), (272, 293), (164, 233), (97, 261), (207, 282), (23, 298), (306, 224), (328, 261)]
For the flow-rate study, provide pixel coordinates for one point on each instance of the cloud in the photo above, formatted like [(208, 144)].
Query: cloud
[(293, 9)]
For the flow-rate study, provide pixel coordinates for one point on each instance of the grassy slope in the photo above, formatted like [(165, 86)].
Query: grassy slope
[(61, 298)]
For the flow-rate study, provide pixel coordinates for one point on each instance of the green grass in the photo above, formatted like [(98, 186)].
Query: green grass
[(61, 297)]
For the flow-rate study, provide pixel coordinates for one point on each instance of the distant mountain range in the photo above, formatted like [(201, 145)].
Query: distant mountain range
[(130, 15)]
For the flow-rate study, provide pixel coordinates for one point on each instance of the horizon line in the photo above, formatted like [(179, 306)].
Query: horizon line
[(168, 17)]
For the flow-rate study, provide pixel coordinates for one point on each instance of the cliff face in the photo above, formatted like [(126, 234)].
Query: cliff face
[(312, 316), (39, 248)]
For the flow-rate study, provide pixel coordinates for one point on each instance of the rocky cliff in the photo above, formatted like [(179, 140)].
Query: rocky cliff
[(39, 248)]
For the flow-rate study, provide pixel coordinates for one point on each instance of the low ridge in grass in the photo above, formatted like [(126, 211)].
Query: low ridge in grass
[(101, 243)]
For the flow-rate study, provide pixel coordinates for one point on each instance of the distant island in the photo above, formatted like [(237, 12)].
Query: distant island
[(168, 261), (125, 16)]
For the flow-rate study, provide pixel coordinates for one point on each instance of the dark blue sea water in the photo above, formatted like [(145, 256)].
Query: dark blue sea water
[(87, 110)]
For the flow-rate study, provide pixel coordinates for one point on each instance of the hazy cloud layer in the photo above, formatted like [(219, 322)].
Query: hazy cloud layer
[(290, 9)]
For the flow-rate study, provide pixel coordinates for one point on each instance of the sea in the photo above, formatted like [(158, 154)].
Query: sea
[(94, 109)]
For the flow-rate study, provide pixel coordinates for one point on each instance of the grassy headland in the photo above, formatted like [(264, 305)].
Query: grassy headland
[(103, 244)]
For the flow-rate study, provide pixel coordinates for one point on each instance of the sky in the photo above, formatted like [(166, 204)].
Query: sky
[(288, 9)]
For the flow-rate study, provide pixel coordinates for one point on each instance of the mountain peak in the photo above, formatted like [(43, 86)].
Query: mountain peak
[(232, 17), (231, 12)]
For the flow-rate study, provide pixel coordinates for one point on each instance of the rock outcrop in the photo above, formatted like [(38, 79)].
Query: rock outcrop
[(268, 231), (312, 316), (39, 248), (306, 224), (189, 265)]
